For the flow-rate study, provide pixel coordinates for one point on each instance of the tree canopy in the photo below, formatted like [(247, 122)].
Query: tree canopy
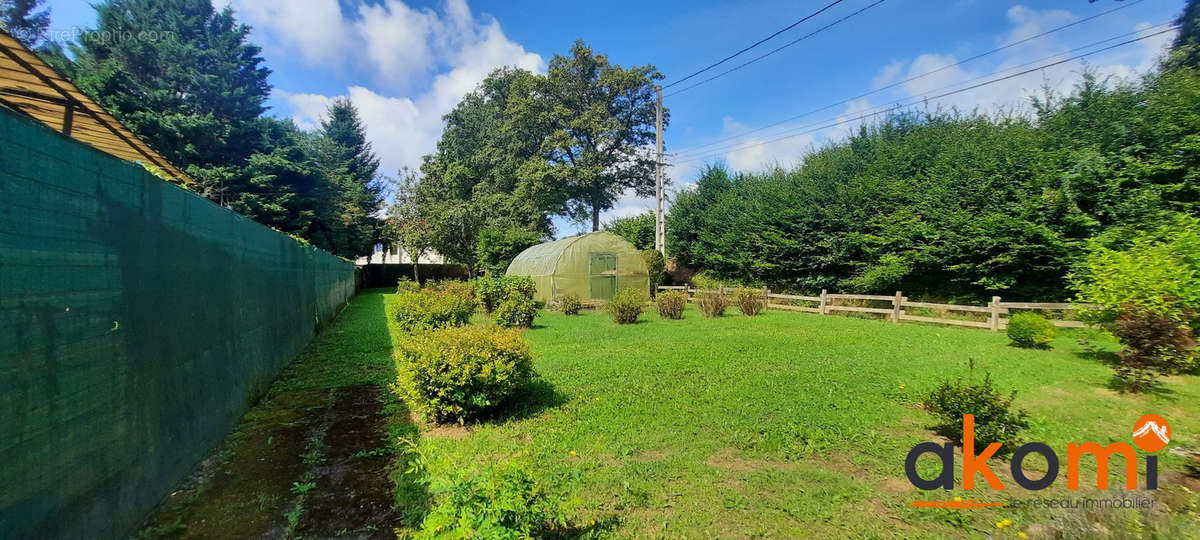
[(194, 87)]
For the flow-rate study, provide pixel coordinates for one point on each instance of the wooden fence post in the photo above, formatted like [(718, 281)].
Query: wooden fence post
[(896, 307), (823, 307), (994, 312), (766, 298)]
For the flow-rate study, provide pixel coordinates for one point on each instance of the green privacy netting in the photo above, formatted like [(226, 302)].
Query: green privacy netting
[(593, 266), (138, 322)]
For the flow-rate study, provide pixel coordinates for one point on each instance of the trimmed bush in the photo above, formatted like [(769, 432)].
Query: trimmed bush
[(712, 304), (407, 285), (425, 309), (456, 374), (515, 312), (569, 304), (751, 301), (995, 419), (626, 306), (519, 285), (1031, 330), (670, 304)]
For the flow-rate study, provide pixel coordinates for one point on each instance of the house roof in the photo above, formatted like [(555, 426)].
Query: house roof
[(30, 86)]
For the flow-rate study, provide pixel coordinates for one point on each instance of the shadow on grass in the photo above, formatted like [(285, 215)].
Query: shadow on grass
[(1108, 358), (531, 399), (1123, 386)]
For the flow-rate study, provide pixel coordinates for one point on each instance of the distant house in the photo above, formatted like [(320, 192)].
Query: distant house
[(395, 255)]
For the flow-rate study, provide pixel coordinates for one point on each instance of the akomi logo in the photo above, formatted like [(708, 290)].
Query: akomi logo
[(1151, 433)]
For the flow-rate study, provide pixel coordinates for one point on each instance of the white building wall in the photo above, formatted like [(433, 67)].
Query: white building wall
[(396, 255)]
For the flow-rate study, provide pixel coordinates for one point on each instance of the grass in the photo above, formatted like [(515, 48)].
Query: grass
[(271, 477), (788, 424)]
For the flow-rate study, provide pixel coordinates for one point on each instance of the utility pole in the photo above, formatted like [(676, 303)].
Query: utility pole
[(660, 224)]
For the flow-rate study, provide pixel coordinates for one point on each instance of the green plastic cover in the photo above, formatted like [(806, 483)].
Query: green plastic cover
[(594, 266), (138, 322)]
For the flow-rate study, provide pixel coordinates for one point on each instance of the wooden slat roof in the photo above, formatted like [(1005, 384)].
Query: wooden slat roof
[(30, 86)]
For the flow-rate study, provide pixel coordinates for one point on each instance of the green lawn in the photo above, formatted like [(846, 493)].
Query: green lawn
[(790, 424)]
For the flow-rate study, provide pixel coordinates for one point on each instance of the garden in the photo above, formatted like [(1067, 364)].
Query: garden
[(497, 417)]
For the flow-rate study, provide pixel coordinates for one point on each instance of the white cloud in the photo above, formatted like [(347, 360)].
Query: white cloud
[(1029, 22), (888, 75), (420, 61)]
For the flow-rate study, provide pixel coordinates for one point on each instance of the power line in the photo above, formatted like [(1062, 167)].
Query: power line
[(922, 75), (777, 49), (939, 96), (742, 135), (759, 42)]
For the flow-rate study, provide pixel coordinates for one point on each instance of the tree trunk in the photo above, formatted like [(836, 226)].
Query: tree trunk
[(595, 214)]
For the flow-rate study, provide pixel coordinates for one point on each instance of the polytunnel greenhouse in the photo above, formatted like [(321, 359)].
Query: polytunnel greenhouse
[(594, 266)]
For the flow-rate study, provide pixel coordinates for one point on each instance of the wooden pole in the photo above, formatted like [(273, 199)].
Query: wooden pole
[(823, 307), (994, 314), (766, 298), (896, 307)]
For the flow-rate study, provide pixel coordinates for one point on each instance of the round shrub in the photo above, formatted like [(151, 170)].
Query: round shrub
[(518, 285), (569, 304), (751, 301), (626, 306), (670, 304), (407, 285), (712, 304), (515, 312), (417, 310), (456, 374), (1030, 330)]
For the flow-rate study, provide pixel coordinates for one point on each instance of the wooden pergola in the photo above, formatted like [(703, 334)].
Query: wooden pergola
[(31, 87)]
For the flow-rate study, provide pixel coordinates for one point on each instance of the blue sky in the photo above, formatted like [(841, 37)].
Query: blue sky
[(406, 63)]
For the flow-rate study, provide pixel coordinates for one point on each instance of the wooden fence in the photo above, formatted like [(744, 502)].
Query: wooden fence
[(993, 314)]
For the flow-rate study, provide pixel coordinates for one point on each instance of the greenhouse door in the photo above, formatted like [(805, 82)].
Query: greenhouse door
[(602, 275)]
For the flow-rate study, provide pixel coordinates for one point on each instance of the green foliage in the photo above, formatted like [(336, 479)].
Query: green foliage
[(670, 304), (569, 303), (489, 291), (1030, 330), (460, 372), (407, 285), (712, 304), (522, 286), (188, 81), (458, 288), (1157, 273), (1155, 344), (502, 502), (516, 311), (21, 19), (995, 419), (638, 230), (523, 147), (750, 301), (496, 247), (626, 306), (916, 202), (656, 267), (430, 308)]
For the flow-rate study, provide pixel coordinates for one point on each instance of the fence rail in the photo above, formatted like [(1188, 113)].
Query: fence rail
[(826, 303)]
